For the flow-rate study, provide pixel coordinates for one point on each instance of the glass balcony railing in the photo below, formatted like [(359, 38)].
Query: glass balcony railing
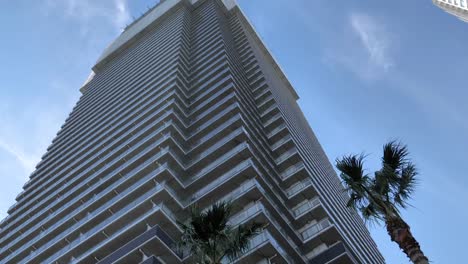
[(263, 237), (276, 130), (265, 101), (142, 141), (272, 120), (299, 187), (200, 107), (239, 191), (291, 170), (245, 214), (223, 158), (269, 110), (255, 209), (262, 95), (286, 155), (281, 142), (83, 112), (215, 118), (313, 230), (196, 158), (143, 198), (165, 82), (100, 209), (226, 124), (120, 124), (223, 178), (76, 199), (106, 156), (89, 202), (307, 206)]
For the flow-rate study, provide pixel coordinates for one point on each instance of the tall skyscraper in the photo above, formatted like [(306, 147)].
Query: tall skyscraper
[(186, 106), (458, 8)]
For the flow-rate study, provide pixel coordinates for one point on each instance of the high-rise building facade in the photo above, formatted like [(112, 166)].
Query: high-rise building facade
[(185, 107), (458, 8)]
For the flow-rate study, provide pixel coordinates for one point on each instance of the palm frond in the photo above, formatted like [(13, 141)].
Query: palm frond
[(356, 200), (210, 238), (381, 184), (369, 212), (406, 186), (210, 222), (394, 155), (218, 216), (357, 183), (352, 171), (189, 241), (239, 240)]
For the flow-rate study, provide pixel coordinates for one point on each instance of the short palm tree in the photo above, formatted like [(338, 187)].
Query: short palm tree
[(210, 238), (379, 197)]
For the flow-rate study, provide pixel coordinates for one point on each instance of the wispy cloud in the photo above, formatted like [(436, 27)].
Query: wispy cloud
[(30, 117), (375, 39), (27, 129), (26, 161), (86, 12), (122, 16), (365, 47)]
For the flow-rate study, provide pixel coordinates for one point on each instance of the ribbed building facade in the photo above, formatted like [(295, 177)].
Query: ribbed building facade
[(458, 8), (186, 107)]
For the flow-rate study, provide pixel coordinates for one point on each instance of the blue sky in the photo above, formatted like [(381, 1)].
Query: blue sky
[(367, 71)]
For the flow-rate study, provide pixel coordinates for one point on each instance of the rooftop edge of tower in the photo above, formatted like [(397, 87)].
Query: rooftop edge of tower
[(156, 13)]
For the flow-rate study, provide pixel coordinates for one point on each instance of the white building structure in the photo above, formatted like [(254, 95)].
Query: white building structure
[(458, 8)]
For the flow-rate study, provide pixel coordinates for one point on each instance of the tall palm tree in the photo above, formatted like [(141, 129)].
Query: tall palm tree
[(210, 238), (380, 196)]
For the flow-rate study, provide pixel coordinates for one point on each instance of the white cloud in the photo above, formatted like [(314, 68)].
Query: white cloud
[(123, 15), (374, 38), (27, 161), (27, 129), (364, 48), (87, 12)]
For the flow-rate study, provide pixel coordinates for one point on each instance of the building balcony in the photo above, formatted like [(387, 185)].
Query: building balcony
[(263, 246), (89, 170), (287, 159), (258, 213), (321, 232), (269, 113), (296, 171), (151, 260), (104, 214), (278, 133), (268, 102), (103, 239), (272, 123), (201, 159), (308, 210), (334, 254), (95, 201), (283, 144), (300, 190), (261, 92), (235, 176), (153, 240)]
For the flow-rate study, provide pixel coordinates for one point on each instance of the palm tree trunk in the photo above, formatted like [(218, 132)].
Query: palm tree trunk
[(400, 233)]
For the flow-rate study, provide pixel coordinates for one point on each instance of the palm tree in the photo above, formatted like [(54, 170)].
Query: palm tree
[(381, 196), (210, 238)]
